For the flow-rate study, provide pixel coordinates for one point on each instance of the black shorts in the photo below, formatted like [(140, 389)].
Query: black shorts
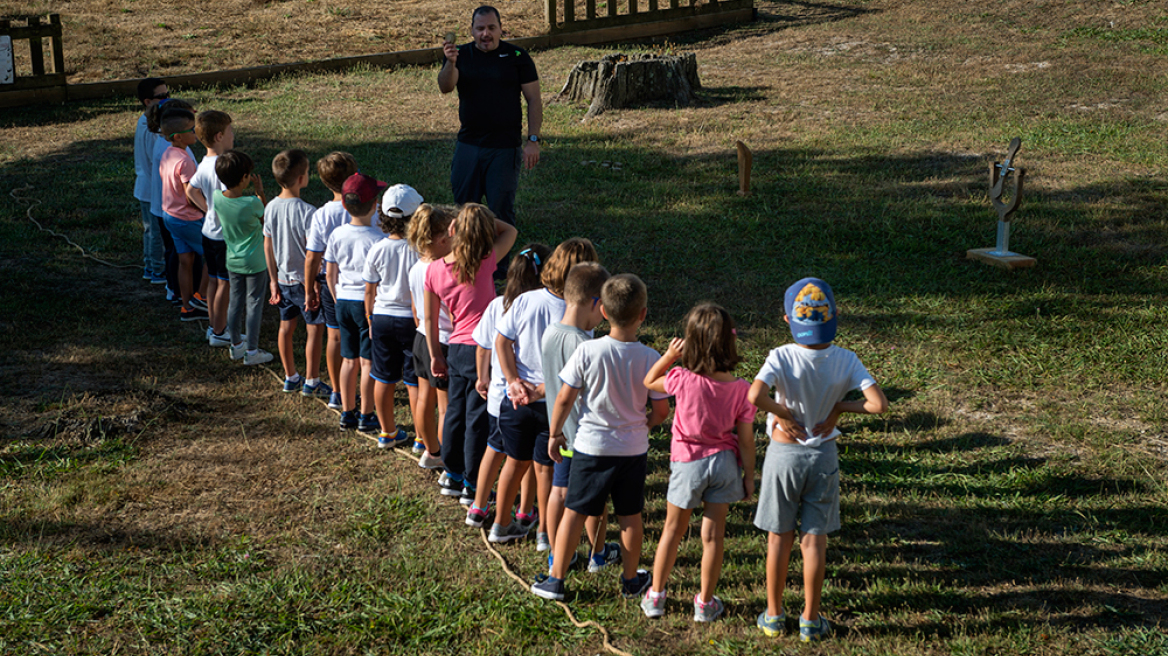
[(393, 344), (422, 362), (215, 257), (327, 304), (594, 478), (525, 431), (354, 330)]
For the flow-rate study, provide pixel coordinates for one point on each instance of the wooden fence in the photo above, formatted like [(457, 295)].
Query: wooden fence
[(562, 16), (35, 34)]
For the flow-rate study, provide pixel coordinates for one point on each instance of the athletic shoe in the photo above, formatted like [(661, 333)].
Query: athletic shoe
[(218, 340), (707, 612), (193, 314), (238, 351), (772, 625), (609, 555), (427, 461), (636, 586), (259, 357), (542, 543), (810, 631), (475, 516), (293, 385), (349, 420), (653, 607), (571, 563), (449, 487), (508, 533), (528, 521), (171, 296), (549, 588), (369, 423), (197, 301), (387, 441), (468, 496), (147, 274), (335, 401), (418, 448), (156, 279), (318, 391)]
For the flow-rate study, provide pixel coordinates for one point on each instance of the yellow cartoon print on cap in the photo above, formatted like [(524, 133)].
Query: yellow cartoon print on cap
[(812, 306)]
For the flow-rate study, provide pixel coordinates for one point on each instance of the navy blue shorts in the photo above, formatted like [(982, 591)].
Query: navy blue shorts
[(562, 472), (525, 431), (595, 478), (494, 439), (354, 328), (292, 306), (215, 257), (393, 344), (328, 306)]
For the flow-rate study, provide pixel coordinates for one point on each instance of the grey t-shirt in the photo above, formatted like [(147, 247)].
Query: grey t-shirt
[(559, 343), (286, 221)]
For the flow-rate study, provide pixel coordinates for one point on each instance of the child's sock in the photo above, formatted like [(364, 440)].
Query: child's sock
[(253, 351), (292, 379), (656, 595), (311, 382)]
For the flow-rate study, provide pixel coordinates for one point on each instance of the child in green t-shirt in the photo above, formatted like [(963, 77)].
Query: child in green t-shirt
[(242, 220)]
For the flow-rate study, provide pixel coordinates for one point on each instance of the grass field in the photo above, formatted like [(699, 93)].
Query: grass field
[(156, 499)]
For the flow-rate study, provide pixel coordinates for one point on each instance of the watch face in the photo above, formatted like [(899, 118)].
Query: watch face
[(533, 138)]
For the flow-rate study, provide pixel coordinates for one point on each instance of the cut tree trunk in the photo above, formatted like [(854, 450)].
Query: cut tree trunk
[(617, 81)]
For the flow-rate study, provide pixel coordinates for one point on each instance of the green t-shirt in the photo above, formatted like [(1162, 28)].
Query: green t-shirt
[(242, 221)]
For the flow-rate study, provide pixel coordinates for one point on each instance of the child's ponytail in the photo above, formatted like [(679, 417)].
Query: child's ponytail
[(523, 275), (474, 238)]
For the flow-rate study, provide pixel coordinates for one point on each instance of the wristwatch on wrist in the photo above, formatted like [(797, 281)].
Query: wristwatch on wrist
[(533, 138)]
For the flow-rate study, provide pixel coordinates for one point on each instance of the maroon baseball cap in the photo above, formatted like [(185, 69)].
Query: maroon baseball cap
[(365, 187)]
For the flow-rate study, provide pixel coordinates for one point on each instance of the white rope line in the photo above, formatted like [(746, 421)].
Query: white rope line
[(32, 203)]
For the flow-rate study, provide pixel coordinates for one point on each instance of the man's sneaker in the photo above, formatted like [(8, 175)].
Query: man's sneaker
[(810, 631), (549, 588), (260, 356), (197, 301), (448, 486), (609, 555), (707, 611), (387, 441), (193, 314), (335, 400), (156, 279), (349, 420), (238, 351), (636, 586), (475, 516), (528, 521), (418, 448), (542, 543), (293, 385), (321, 390), (772, 625), (468, 496), (653, 606), (508, 533), (369, 423), (218, 340), (427, 461)]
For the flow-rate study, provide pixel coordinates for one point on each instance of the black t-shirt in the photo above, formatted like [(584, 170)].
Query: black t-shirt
[(490, 107)]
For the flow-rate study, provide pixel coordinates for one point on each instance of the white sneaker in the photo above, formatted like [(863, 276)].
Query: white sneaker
[(218, 340), (238, 351), (259, 357), (427, 461)]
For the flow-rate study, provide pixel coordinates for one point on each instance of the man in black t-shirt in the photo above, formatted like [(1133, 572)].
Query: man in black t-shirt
[(490, 76)]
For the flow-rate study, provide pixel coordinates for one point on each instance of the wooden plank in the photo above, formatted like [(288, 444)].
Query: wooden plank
[(36, 49), (569, 11), (1008, 262), (632, 8), (57, 44), (589, 9), (39, 82), (23, 32), (661, 15), (549, 11), (642, 30), (26, 97)]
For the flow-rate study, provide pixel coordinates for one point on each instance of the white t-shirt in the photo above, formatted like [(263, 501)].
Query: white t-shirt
[(530, 315), (484, 335), (160, 146), (418, 292), (611, 378), (329, 217), (143, 159), (809, 382), (347, 247), (206, 180), (388, 265), (286, 221)]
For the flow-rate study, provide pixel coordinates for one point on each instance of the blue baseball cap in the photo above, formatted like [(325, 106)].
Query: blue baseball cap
[(810, 307)]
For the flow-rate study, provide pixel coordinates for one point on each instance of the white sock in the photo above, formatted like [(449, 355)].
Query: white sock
[(311, 382), (293, 378)]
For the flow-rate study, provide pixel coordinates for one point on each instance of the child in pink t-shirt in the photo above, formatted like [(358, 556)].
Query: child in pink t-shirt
[(712, 452)]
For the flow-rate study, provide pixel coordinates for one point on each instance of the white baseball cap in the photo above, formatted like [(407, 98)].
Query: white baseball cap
[(400, 200)]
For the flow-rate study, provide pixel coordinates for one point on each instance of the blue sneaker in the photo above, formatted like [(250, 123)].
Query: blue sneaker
[(293, 385), (147, 274), (549, 588), (810, 631), (369, 423), (387, 441), (419, 448), (317, 391), (609, 555), (635, 587), (349, 420), (335, 401), (772, 625), (156, 279)]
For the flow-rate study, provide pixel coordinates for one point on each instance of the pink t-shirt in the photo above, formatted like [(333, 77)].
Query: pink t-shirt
[(465, 302), (706, 415), (177, 168)]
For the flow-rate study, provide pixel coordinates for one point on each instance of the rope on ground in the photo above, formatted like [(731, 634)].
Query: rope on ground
[(611, 648), (32, 203)]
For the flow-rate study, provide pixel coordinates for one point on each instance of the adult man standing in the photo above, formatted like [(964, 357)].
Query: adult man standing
[(491, 75)]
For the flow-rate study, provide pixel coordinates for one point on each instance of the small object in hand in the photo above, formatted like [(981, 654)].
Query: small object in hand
[(449, 38)]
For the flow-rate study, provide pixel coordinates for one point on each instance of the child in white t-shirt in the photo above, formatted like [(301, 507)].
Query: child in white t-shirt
[(214, 130)]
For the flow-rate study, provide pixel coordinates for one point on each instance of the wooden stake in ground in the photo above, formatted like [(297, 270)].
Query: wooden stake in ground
[(618, 80), (1000, 255), (745, 162)]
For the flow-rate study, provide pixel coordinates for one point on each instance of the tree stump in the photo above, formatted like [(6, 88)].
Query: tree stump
[(617, 81)]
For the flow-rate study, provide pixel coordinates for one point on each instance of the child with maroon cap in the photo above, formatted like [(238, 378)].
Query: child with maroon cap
[(344, 258)]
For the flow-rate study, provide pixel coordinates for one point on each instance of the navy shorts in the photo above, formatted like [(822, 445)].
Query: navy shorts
[(562, 471), (595, 478), (328, 306), (292, 306), (422, 363), (215, 257), (525, 431), (393, 344), (354, 328), (494, 439)]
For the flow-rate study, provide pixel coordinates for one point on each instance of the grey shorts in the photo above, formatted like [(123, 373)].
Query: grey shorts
[(800, 489), (714, 479)]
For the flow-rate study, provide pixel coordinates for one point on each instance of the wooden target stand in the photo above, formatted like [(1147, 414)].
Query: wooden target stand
[(1001, 256)]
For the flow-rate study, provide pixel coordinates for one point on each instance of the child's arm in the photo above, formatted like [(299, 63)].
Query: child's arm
[(311, 286), (437, 361), (195, 197), (563, 405), (746, 453), (483, 369), (519, 391), (258, 184), (270, 256), (759, 395), (655, 379), (658, 412), (370, 298), (874, 403), (331, 273), (505, 235)]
